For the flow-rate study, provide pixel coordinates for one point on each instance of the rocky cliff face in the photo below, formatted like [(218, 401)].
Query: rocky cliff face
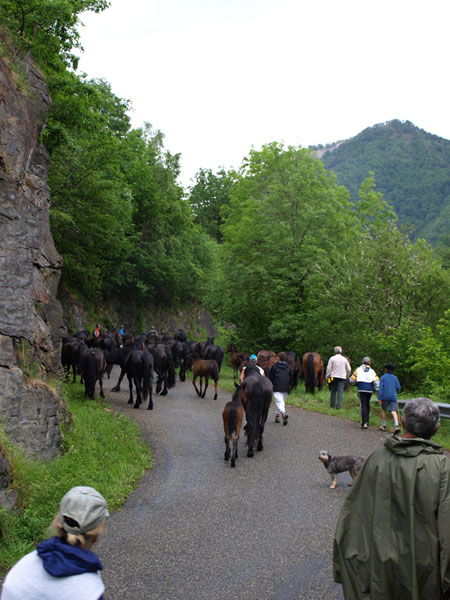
[(31, 323)]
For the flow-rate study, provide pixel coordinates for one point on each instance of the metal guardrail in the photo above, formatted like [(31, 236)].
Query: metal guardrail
[(444, 409)]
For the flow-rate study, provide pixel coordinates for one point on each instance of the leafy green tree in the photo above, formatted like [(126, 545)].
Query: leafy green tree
[(207, 196), (48, 28), (285, 217)]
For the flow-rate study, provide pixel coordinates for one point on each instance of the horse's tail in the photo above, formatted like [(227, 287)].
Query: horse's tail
[(214, 371), (171, 375), (89, 372), (232, 421), (310, 377), (254, 416)]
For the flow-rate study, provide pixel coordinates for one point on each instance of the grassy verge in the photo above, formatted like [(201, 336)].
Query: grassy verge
[(320, 402), (102, 450)]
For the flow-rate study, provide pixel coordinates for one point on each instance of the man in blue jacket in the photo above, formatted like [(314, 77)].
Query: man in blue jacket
[(387, 396)]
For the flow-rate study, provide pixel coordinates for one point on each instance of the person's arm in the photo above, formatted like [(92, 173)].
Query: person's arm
[(241, 378), (380, 390)]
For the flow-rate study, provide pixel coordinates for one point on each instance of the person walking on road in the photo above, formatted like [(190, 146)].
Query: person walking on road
[(366, 382), (280, 376), (387, 396), (392, 538), (338, 371), (64, 566), (252, 363)]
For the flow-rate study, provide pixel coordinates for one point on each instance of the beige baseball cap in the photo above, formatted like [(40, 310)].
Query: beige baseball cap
[(82, 509)]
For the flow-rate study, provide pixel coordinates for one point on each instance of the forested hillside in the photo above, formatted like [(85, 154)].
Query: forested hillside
[(279, 249), (411, 168)]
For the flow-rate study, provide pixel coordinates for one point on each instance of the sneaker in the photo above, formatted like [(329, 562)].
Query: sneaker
[(364, 425), (285, 418), (396, 429), (278, 418), (383, 428)]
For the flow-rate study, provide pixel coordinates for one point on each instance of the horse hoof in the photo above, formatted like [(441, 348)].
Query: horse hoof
[(130, 401), (215, 397), (150, 407), (260, 447), (164, 393), (115, 389), (233, 463), (250, 454), (136, 406)]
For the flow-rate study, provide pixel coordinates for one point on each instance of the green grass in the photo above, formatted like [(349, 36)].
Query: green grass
[(320, 402), (103, 449)]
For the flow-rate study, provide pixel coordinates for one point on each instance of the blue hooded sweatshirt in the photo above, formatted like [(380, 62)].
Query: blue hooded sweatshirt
[(55, 570)]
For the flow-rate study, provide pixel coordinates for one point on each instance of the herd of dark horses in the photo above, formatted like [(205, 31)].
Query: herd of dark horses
[(140, 357)]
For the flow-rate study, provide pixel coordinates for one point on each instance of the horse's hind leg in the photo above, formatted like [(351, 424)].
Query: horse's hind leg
[(215, 390), (116, 388), (130, 385), (227, 448), (138, 386), (206, 386), (235, 450), (164, 390), (100, 382)]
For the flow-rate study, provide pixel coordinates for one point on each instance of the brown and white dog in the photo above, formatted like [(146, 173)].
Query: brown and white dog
[(339, 464)]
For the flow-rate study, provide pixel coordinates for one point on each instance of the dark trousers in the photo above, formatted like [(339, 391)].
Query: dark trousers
[(364, 403), (337, 387)]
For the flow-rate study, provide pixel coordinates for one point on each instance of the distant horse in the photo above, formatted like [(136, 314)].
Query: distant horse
[(237, 358), (71, 352), (180, 355), (266, 361), (92, 367), (180, 335), (255, 393), (164, 368), (204, 368), (139, 369), (215, 353), (312, 371), (295, 366), (233, 415)]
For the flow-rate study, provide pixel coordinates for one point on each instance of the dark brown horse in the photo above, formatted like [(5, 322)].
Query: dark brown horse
[(295, 366), (92, 367), (164, 368), (205, 368), (233, 415), (255, 393), (313, 371), (237, 358)]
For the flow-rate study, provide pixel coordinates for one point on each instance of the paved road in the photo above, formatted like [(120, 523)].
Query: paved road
[(197, 529)]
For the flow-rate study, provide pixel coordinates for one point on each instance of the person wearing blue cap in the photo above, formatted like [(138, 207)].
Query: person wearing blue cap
[(253, 365), (64, 566)]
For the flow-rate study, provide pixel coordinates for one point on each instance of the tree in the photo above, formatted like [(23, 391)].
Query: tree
[(207, 196)]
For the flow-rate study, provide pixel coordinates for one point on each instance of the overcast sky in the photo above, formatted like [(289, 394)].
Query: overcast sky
[(219, 77)]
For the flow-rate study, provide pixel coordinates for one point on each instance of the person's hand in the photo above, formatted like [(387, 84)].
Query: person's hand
[(380, 402)]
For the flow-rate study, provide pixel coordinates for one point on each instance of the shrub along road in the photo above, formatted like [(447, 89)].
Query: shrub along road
[(197, 529)]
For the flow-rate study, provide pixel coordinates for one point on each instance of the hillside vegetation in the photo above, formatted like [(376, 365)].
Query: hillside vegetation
[(280, 248), (411, 168)]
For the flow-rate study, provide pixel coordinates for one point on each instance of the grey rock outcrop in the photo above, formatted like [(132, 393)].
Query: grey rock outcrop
[(31, 322)]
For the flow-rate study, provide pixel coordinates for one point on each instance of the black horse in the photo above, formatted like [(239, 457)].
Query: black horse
[(139, 369), (256, 396), (92, 367), (180, 336), (215, 353), (180, 355), (71, 352), (164, 368), (295, 366)]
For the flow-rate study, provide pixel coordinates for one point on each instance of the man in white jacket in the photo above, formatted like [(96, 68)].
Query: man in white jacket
[(338, 371)]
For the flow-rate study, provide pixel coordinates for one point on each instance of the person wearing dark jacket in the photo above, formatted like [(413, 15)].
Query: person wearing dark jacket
[(392, 538), (64, 567), (280, 376)]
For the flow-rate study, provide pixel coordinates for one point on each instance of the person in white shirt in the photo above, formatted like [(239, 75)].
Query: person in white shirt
[(338, 371)]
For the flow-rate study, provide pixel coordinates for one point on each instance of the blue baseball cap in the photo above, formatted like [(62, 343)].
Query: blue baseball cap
[(253, 357)]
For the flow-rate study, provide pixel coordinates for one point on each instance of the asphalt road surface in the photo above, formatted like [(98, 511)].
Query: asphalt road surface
[(197, 529)]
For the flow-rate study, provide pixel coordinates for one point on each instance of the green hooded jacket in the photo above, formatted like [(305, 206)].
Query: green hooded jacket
[(393, 533)]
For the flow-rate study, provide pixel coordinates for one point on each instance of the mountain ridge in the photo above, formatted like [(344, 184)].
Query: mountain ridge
[(411, 169)]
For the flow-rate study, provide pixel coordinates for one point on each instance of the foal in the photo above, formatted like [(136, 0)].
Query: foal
[(205, 368), (233, 415)]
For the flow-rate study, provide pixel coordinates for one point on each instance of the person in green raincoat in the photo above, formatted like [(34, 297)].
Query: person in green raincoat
[(392, 538)]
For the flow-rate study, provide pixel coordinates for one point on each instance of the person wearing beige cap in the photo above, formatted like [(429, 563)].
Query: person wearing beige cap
[(64, 566)]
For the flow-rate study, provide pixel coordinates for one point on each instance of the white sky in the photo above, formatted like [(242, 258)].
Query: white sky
[(220, 76)]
